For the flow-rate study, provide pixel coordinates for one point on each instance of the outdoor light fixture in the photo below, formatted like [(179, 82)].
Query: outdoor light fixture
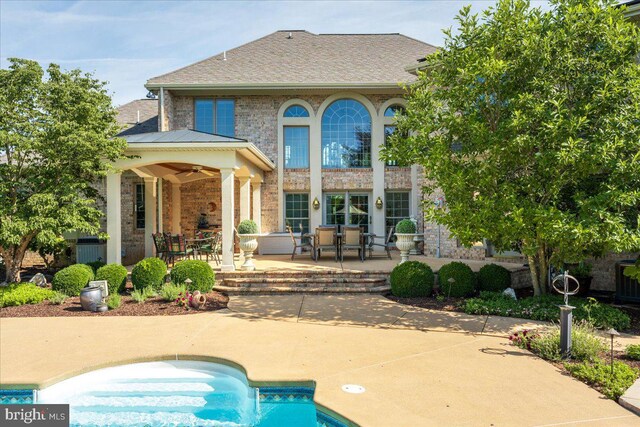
[(379, 203), (315, 203), (613, 333)]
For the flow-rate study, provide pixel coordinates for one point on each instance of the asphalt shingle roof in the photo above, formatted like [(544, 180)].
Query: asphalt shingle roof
[(128, 116), (303, 58)]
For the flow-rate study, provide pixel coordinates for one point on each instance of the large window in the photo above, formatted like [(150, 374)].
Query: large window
[(347, 209), (346, 135), (296, 111), (215, 116), (139, 206), (297, 211), (296, 147), (388, 131), (397, 207)]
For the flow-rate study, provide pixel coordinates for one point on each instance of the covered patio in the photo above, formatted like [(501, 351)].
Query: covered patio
[(176, 160)]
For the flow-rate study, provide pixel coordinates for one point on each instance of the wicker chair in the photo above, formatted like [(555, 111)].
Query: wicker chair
[(326, 239), (387, 244), (352, 239), (303, 244)]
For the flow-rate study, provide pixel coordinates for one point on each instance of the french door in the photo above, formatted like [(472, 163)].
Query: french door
[(347, 209)]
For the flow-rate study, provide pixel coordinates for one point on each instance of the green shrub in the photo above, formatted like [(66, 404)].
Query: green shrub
[(58, 298), (406, 226), (95, 265), (139, 296), (456, 279), (598, 374), (585, 344), (23, 293), (72, 279), (247, 226), (412, 279), (546, 308), (201, 275), (114, 301), (115, 275), (170, 292), (149, 292), (493, 277), (149, 272), (633, 351)]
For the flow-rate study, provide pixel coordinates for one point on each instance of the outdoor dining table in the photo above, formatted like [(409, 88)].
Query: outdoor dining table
[(365, 241), (197, 243)]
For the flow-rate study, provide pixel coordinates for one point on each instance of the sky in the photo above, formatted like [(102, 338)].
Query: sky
[(127, 42)]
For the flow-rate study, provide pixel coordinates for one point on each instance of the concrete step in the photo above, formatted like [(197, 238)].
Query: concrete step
[(277, 290)]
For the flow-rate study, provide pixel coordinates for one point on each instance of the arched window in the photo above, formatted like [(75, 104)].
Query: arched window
[(392, 110), (296, 111), (346, 135)]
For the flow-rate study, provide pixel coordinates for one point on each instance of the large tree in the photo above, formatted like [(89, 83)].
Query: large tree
[(56, 140), (528, 121)]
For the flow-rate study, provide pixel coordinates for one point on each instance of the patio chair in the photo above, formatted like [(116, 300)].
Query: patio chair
[(304, 244), (326, 240), (160, 244), (387, 244), (177, 247), (212, 247), (352, 239)]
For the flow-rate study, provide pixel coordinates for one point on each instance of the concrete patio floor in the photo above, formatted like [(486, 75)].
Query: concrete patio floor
[(419, 367)]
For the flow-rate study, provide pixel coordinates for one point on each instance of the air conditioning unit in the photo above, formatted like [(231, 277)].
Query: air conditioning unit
[(90, 249), (627, 289)]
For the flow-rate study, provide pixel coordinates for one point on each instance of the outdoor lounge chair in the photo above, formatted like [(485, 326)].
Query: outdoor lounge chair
[(177, 247), (387, 244), (303, 243), (326, 240), (352, 239)]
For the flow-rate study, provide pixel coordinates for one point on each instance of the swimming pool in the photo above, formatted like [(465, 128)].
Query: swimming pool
[(182, 393)]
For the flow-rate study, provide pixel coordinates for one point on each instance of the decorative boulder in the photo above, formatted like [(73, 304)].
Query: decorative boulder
[(39, 280), (510, 293)]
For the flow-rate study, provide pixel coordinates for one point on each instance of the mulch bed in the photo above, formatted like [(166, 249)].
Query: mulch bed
[(151, 307), (451, 304)]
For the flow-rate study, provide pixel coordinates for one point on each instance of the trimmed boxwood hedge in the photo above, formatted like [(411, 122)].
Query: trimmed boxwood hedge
[(72, 279), (199, 272), (115, 275), (412, 279), (95, 265), (493, 277), (149, 272), (405, 226), (247, 226), (463, 283)]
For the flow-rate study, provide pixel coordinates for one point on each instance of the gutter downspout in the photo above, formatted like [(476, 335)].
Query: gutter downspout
[(161, 115)]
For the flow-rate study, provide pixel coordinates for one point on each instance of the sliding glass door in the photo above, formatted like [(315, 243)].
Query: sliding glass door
[(347, 209)]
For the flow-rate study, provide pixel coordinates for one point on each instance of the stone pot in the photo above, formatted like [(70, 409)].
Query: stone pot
[(90, 298), (198, 300), (405, 243), (248, 244)]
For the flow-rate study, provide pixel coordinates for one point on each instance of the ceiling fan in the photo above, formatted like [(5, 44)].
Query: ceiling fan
[(196, 169)]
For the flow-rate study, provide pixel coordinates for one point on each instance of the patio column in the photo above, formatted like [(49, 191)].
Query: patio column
[(160, 216), (114, 221), (176, 207), (227, 177), (150, 213), (257, 204), (245, 197)]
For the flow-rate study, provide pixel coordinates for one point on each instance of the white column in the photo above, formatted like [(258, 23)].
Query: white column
[(378, 167), (227, 177), (245, 197), (160, 219), (176, 208), (257, 204), (114, 221), (150, 196), (315, 174)]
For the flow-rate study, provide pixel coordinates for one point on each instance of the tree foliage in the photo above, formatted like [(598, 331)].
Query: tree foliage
[(529, 122), (56, 140)]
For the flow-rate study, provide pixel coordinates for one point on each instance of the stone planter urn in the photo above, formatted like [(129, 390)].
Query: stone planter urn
[(405, 243), (198, 300), (248, 244)]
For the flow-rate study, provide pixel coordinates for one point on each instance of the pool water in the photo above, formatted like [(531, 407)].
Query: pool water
[(181, 393)]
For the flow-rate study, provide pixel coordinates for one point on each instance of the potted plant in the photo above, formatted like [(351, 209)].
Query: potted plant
[(248, 233), (582, 272), (405, 232)]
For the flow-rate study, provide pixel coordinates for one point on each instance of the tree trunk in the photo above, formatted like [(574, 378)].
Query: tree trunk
[(539, 266), (13, 256), (534, 267)]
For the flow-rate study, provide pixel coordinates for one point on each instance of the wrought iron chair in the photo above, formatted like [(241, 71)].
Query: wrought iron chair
[(177, 247), (326, 239), (352, 239), (212, 247), (160, 244), (304, 244), (387, 244)]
